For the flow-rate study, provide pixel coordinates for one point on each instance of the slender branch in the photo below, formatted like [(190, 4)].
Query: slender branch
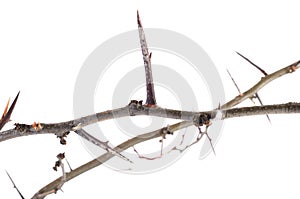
[(150, 101), (60, 128)]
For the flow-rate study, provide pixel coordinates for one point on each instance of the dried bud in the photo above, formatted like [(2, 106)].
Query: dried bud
[(37, 126), (60, 156), (63, 141)]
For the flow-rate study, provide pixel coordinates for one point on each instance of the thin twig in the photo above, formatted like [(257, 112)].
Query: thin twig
[(165, 131), (199, 137), (149, 158)]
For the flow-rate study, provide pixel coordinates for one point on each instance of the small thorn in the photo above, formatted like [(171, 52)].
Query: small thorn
[(241, 94), (261, 103), (20, 194)]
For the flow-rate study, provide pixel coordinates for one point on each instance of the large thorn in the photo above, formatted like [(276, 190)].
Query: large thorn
[(150, 101), (248, 60)]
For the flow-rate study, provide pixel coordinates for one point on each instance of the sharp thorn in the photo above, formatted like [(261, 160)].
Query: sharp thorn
[(248, 60)]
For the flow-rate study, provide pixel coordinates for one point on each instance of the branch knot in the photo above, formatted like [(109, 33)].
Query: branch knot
[(135, 106), (202, 119)]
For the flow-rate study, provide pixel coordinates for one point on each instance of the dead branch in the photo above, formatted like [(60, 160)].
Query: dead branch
[(135, 108)]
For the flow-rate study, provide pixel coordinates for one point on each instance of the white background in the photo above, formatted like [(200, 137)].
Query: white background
[(43, 45)]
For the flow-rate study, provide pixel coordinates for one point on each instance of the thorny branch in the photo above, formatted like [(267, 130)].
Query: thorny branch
[(134, 108), (263, 72), (138, 109), (254, 96)]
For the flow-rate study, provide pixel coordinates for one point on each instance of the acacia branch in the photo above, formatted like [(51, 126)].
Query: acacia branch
[(230, 113), (137, 108)]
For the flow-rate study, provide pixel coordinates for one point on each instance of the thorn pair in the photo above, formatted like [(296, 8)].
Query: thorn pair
[(256, 94)]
